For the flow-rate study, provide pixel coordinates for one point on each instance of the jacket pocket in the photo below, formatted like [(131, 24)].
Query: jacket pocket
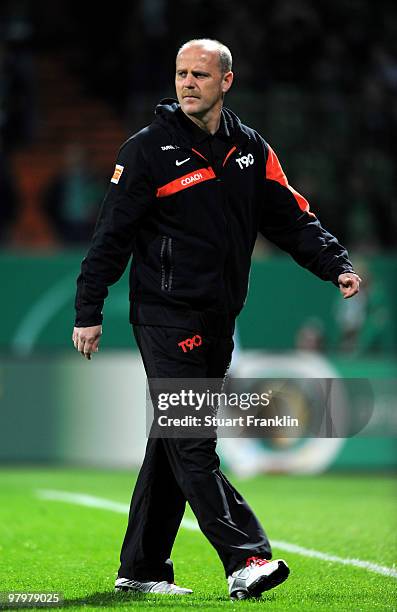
[(167, 268)]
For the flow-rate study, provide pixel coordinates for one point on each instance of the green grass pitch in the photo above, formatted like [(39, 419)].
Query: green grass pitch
[(57, 546)]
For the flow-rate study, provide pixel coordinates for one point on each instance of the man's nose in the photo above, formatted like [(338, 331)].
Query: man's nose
[(189, 81)]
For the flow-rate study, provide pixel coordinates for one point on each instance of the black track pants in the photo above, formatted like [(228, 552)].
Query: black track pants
[(178, 470)]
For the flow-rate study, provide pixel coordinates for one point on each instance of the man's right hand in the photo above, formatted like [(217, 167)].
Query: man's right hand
[(86, 339)]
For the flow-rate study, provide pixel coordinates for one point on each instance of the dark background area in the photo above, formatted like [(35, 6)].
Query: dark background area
[(317, 79)]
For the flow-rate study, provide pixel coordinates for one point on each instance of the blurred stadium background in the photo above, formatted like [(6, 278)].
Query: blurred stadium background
[(319, 81)]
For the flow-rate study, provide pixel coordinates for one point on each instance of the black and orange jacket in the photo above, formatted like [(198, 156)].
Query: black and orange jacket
[(191, 228)]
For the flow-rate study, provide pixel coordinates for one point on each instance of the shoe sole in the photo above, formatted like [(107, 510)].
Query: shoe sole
[(238, 595), (265, 583), (122, 589)]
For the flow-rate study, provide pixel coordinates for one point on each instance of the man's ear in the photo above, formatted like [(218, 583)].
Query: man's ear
[(227, 81)]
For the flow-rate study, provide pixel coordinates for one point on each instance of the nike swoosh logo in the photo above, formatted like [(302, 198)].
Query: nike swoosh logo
[(179, 163)]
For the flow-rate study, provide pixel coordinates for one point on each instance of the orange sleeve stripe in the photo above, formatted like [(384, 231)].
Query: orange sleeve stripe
[(274, 172)]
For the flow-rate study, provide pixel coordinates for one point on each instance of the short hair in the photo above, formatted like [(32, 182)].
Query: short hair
[(225, 56)]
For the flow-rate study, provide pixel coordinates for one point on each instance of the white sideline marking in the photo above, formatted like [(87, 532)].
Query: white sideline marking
[(307, 552), (82, 499)]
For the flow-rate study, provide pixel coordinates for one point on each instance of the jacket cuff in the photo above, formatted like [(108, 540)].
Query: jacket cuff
[(335, 275), (88, 316)]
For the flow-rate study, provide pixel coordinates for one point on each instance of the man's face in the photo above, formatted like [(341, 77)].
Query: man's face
[(199, 82)]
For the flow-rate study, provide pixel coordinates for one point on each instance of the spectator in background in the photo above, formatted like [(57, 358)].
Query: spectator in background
[(71, 200), (310, 336), (358, 218), (371, 220), (364, 327)]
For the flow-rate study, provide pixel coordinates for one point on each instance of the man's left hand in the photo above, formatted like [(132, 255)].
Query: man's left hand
[(349, 284)]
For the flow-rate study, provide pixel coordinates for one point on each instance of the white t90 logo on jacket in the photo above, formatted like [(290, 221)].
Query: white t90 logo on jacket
[(245, 161)]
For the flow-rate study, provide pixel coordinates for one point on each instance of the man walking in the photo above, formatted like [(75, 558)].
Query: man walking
[(187, 198)]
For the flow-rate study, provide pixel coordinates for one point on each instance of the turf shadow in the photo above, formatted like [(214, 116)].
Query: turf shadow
[(104, 600), (119, 600)]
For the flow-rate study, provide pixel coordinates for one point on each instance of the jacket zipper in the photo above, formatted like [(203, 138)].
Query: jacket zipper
[(227, 224), (167, 269), (219, 182)]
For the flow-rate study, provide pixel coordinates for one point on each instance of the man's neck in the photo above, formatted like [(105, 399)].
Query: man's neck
[(209, 124)]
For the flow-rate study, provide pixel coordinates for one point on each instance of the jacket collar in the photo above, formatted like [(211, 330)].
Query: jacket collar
[(197, 134), (186, 133)]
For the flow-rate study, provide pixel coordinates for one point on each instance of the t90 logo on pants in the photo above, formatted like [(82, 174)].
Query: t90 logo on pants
[(190, 343)]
